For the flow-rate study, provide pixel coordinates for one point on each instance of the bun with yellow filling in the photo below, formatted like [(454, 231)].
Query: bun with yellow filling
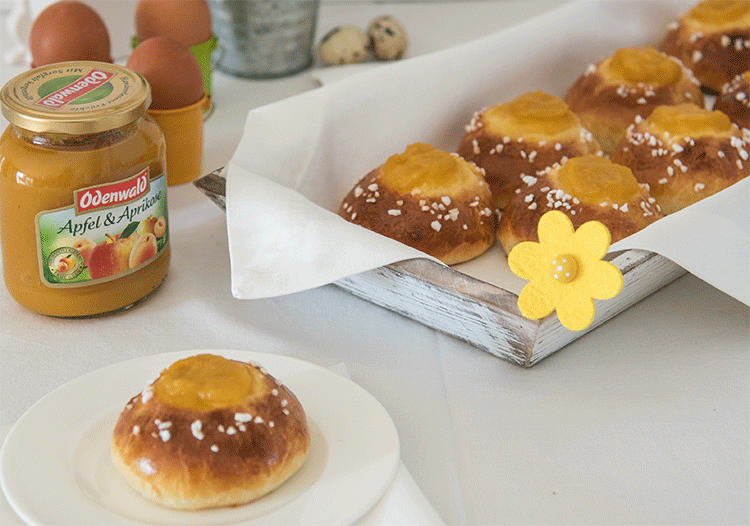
[(684, 153), (210, 432), (734, 100), (631, 82), (428, 199), (587, 188), (713, 40), (521, 138)]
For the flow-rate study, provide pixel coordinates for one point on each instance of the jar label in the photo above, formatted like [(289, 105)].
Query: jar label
[(60, 91), (111, 230)]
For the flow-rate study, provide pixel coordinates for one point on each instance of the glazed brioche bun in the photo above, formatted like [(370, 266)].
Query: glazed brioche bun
[(210, 432), (631, 82), (585, 188), (734, 100), (428, 199), (713, 40), (684, 154), (522, 138)]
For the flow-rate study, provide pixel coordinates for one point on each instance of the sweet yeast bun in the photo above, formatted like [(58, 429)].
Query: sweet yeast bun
[(630, 82), (522, 138), (428, 199), (734, 100), (713, 40), (684, 153), (210, 432), (587, 188)]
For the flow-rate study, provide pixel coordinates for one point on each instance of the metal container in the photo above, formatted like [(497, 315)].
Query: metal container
[(262, 39)]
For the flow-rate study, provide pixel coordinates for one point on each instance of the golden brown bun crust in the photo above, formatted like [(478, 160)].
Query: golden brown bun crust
[(452, 228), (233, 462), (715, 55), (606, 108), (684, 170), (506, 161), (520, 219), (734, 100)]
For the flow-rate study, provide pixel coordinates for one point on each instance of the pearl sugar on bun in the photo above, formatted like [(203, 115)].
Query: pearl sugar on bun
[(210, 432), (428, 199)]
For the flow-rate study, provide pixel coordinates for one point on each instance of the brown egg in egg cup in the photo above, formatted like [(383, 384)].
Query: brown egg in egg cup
[(178, 102), (66, 31), (186, 21)]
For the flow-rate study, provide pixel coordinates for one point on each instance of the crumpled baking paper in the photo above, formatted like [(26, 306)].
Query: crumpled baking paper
[(299, 157)]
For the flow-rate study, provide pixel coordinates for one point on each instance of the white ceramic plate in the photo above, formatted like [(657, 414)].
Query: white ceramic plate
[(55, 466)]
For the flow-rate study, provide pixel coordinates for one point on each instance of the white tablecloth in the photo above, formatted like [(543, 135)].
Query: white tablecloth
[(644, 420)]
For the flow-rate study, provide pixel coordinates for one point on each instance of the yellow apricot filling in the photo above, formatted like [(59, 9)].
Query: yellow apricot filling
[(424, 170), (532, 116), (643, 64), (595, 180), (205, 382), (688, 120), (722, 12)]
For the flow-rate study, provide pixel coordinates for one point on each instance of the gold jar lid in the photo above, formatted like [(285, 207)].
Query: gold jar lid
[(75, 98)]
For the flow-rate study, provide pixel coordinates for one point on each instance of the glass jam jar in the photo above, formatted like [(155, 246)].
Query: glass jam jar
[(83, 190)]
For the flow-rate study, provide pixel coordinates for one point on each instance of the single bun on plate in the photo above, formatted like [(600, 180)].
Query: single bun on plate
[(684, 153), (713, 40), (734, 100), (521, 138), (210, 432), (428, 199), (588, 188), (608, 96)]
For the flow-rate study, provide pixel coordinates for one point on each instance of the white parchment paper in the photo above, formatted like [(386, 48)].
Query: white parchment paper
[(299, 157)]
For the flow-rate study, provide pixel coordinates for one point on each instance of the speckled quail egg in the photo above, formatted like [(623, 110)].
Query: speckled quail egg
[(343, 45), (387, 38)]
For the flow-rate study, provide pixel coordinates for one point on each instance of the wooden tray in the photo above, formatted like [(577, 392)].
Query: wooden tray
[(482, 314)]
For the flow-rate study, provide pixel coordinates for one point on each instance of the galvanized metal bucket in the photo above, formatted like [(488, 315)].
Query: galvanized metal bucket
[(263, 39)]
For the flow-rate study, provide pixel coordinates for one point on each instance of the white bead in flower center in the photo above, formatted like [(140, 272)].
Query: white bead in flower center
[(565, 268)]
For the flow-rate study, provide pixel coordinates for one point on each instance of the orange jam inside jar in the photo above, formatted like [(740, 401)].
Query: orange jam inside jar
[(83, 199)]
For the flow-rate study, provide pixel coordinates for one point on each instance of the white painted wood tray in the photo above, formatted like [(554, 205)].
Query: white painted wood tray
[(482, 314)]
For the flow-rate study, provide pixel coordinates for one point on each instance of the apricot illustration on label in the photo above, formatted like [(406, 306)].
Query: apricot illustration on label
[(111, 230), (65, 263), (134, 246)]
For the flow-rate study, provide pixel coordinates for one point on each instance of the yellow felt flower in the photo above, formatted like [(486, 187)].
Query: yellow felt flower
[(565, 270)]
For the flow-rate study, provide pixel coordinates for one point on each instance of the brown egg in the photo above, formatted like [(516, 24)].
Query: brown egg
[(68, 30), (172, 71), (186, 21)]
